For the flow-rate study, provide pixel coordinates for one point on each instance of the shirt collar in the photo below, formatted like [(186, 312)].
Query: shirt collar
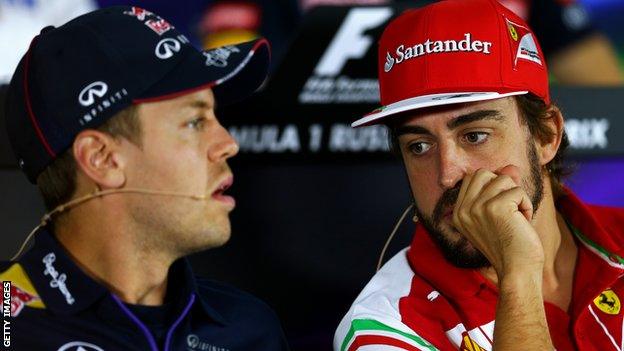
[(66, 289), (182, 282), (62, 285), (598, 228)]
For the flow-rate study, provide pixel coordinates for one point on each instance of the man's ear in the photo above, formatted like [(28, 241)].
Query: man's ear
[(98, 156), (547, 147)]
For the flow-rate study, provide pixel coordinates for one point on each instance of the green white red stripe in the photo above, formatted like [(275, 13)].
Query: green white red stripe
[(611, 259), (371, 332)]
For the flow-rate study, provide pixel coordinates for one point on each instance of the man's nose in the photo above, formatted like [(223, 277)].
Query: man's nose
[(452, 165), (223, 145)]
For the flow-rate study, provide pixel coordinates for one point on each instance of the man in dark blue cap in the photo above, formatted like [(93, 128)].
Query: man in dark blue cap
[(112, 115)]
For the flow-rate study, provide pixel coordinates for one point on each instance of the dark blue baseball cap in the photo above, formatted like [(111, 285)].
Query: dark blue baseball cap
[(82, 73)]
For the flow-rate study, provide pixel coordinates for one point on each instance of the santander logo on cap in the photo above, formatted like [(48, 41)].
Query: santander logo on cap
[(456, 51), (438, 46)]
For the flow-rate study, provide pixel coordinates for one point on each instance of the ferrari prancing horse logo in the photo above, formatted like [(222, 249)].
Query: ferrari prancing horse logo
[(608, 302), (512, 31)]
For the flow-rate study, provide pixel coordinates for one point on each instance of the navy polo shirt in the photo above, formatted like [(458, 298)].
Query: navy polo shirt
[(56, 306)]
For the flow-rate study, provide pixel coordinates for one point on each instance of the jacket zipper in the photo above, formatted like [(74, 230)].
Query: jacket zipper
[(175, 324), (145, 330)]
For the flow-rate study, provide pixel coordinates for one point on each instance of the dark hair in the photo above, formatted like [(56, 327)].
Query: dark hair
[(57, 182), (535, 114)]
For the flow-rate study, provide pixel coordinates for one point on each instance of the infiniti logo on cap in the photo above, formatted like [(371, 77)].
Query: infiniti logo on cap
[(88, 94), (167, 48)]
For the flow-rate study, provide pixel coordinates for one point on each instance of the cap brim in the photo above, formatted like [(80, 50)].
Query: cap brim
[(232, 77), (381, 113)]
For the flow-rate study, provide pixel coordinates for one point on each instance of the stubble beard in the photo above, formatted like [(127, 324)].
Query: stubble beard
[(180, 230), (459, 251)]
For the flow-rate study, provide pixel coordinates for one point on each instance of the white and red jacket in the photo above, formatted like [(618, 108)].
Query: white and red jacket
[(419, 301)]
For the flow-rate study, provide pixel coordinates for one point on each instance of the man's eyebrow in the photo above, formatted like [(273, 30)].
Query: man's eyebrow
[(475, 116), (200, 104), (454, 123), (411, 130)]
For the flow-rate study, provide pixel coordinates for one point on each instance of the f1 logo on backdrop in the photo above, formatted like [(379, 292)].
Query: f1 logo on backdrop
[(349, 43), (88, 94)]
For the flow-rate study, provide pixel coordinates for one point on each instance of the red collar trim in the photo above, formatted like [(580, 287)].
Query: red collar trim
[(601, 225), (428, 262)]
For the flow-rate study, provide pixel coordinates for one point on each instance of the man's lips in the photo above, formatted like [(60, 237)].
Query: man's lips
[(219, 194)]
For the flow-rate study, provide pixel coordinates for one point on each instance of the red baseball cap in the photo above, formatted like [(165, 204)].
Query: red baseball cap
[(456, 51)]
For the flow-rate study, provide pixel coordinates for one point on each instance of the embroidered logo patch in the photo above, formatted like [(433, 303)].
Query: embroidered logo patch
[(57, 279), (195, 343), (219, 56), (19, 299), (467, 44), (524, 46), (608, 302), (512, 31), (79, 346)]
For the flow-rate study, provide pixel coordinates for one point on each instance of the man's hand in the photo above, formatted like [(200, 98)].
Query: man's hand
[(494, 213)]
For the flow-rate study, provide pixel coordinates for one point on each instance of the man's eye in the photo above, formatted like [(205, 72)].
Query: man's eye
[(419, 148), (476, 137), (197, 123)]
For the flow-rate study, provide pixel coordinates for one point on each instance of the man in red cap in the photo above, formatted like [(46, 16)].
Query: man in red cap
[(504, 256)]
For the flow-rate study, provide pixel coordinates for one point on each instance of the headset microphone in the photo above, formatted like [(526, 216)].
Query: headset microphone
[(396, 227), (98, 193)]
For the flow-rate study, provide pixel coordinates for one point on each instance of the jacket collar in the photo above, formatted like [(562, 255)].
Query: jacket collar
[(64, 288), (598, 228), (67, 290)]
